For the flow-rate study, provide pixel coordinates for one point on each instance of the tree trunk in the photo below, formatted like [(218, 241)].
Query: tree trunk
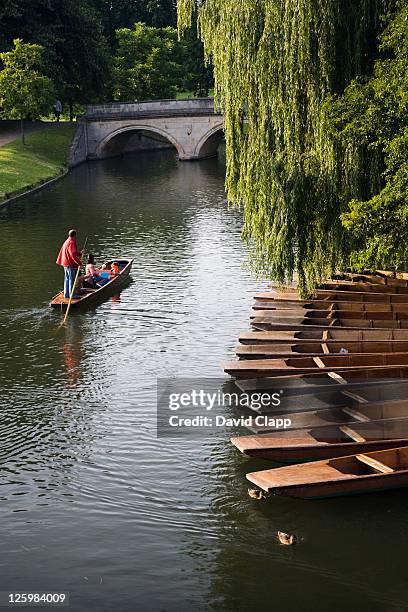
[(22, 130), (71, 110)]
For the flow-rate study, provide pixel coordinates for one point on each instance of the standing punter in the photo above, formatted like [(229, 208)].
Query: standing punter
[(70, 258)]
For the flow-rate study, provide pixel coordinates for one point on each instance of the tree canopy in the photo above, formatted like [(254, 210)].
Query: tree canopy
[(119, 14), (80, 43), (276, 63), (372, 118), (76, 52), (24, 90), (148, 63)]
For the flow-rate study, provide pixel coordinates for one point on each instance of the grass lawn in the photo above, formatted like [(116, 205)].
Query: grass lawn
[(182, 95), (44, 156)]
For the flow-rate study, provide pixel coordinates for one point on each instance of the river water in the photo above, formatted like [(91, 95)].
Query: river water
[(92, 502)]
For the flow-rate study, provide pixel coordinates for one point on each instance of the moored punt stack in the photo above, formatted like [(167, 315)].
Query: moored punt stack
[(340, 359)]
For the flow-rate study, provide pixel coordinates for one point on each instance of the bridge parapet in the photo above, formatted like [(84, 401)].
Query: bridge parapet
[(192, 106)]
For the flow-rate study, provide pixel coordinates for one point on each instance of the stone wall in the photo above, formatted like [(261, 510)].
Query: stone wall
[(78, 151)]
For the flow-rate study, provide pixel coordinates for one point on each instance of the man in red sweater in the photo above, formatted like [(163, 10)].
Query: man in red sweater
[(70, 258)]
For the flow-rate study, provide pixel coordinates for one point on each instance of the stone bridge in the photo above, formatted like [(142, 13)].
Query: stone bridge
[(192, 127)]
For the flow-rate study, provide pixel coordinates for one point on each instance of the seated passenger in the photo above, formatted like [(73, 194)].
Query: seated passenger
[(114, 271), (92, 276), (107, 273)]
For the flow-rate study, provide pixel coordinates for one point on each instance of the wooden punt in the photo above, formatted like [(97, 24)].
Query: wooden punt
[(356, 315), (296, 446), (354, 395), (328, 307), (327, 336), (93, 295), (286, 323), (274, 350), (315, 384), (393, 274), (329, 295), (353, 474), (320, 397), (373, 278), (253, 368), (332, 415), (334, 285), (333, 407)]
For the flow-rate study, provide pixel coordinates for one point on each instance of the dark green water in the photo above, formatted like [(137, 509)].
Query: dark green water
[(91, 501)]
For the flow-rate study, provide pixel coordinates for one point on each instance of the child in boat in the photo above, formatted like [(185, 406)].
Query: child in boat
[(114, 271), (108, 272), (92, 276)]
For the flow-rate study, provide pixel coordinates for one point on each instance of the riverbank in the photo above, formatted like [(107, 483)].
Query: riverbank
[(43, 157)]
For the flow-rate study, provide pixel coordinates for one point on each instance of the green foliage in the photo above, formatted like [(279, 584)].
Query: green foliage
[(80, 60), (24, 90), (370, 122), (79, 38), (76, 52), (45, 155), (149, 63), (275, 64), (198, 76), (119, 14)]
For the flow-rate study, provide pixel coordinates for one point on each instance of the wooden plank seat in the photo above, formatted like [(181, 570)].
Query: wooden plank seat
[(375, 464), (357, 398), (354, 435), (358, 416)]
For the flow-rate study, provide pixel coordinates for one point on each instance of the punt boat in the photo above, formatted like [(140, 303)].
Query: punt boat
[(92, 295), (352, 396), (282, 323), (315, 384), (352, 474), (339, 295), (326, 308), (334, 414), (327, 336), (274, 350), (297, 446), (356, 315), (253, 368), (363, 287), (374, 279)]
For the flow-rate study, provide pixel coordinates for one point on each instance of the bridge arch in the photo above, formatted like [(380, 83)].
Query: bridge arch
[(208, 144), (104, 149)]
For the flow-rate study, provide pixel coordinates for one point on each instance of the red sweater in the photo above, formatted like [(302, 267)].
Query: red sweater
[(68, 255)]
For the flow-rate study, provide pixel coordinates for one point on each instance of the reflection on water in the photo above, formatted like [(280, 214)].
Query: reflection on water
[(72, 353), (91, 501)]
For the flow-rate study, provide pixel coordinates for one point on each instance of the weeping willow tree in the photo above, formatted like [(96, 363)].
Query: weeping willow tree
[(276, 62)]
